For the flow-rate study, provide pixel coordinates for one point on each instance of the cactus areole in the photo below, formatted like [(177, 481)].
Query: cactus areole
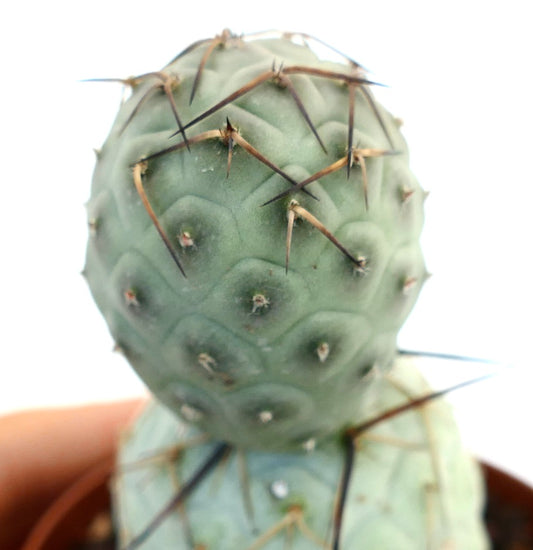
[(254, 238)]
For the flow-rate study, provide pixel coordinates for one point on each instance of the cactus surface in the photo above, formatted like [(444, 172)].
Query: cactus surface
[(413, 487), (256, 268)]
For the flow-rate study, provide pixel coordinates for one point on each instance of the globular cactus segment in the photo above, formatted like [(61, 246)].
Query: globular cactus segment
[(286, 202), (413, 487)]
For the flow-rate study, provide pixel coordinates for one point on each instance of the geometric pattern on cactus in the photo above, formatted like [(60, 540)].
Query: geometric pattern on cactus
[(413, 485), (254, 238)]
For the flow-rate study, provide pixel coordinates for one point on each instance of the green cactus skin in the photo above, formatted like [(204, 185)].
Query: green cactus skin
[(256, 353), (413, 487)]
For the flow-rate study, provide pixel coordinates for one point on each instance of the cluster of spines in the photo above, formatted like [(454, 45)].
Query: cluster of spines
[(231, 137)]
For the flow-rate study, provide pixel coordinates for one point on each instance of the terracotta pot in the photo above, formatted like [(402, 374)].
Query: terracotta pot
[(509, 510), (80, 518)]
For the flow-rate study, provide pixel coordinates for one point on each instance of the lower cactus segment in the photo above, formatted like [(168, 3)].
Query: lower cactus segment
[(413, 485)]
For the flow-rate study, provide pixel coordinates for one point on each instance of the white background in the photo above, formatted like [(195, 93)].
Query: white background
[(458, 75)]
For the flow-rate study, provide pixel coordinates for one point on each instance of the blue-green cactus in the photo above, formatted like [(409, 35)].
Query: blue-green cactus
[(413, 487), (256, 268)]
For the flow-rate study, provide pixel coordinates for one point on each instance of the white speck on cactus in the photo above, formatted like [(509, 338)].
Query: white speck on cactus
[(279, 489), (323, 351), (406, 193), (130, 297), (360, 268), (190, 413), (93, 226), (266, 416), (207, 362), (117, 348), (409, 284), (259, 302), (185, 240)]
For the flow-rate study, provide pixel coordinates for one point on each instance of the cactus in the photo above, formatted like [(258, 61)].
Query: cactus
[(288, 207), (413, 487), (254, 249)]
